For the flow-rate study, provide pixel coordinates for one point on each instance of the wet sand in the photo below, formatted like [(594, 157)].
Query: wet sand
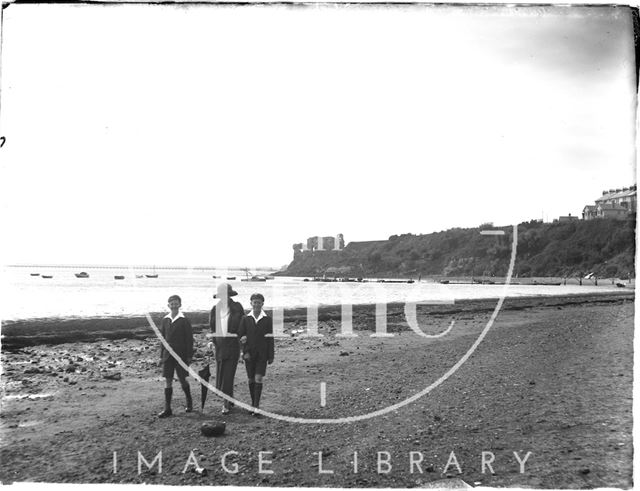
[(553, 377)]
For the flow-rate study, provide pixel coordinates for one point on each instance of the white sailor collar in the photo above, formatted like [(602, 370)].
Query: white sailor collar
[(173, 319), (262, 314)]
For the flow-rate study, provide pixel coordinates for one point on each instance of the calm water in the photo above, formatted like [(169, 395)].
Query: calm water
[(101, 295)]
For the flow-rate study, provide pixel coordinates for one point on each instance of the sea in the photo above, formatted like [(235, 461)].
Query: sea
[(27, 296)]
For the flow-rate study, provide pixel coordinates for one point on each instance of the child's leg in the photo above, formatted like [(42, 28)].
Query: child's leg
[(260, 369), (187, 391), (168, 393), (251, 370)]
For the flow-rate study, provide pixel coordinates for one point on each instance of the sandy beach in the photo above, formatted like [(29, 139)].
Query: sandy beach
[(553, 377)]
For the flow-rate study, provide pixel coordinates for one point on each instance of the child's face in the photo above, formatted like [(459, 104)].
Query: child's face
[(174, 305), (256, 304)]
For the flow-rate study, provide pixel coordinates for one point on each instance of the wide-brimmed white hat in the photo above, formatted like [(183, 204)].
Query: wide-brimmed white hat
[(225, 289)]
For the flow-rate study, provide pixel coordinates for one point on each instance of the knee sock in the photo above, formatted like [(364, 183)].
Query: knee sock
[(257, 393), (252, 391), (187, 393), (168, 392)]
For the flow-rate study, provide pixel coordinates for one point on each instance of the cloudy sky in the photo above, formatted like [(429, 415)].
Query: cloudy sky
[(219, 135)]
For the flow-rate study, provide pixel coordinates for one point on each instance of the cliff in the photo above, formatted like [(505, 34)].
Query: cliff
[(602, 246)]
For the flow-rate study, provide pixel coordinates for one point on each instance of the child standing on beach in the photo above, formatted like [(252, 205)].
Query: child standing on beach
[(176, 329), (256, 334)]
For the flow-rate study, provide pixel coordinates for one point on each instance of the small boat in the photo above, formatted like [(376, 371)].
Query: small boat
[(139, 276), (35, 274), (620, 285), (151, 275), (46, 276), (254, 278), (444, 282), (231, 277), (82, 275), (215, 276), (118, 277)]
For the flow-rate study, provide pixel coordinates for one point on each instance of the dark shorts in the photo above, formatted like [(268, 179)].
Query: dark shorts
[(255, 366), (169, 366)]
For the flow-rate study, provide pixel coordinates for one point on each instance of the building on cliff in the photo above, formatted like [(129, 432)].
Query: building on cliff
[(614, 203), (568, 218), (318, 243)]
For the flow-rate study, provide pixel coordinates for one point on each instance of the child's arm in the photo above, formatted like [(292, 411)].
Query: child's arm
[(188, 340), (161, 343), (270, 342)]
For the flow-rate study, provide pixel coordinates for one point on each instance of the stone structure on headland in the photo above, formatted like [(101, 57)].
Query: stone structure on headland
[(318, 243)]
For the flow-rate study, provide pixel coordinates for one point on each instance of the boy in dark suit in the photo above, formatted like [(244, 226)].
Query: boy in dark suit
[(176, 329), (256, 333)]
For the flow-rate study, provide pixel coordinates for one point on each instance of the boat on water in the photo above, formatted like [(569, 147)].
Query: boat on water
[(215, 276), (47, 276), (231, 277), (35, 274), (83, 274), (254, 278), (151, 275), (118, 277)]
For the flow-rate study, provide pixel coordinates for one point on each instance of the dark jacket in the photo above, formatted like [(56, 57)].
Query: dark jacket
[(179, 335), (228, 347), (258, 345)]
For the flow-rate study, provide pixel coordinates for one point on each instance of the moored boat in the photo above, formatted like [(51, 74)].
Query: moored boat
[(83, 274), (254, 278), (118, 277)]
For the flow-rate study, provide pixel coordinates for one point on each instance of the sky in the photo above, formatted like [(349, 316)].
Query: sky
[(221, 135)]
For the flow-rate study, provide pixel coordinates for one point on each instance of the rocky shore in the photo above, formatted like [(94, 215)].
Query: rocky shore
[(553, 377)]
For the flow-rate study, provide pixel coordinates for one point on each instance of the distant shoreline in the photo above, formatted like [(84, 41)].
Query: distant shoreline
[(57, 330), (138, 267)]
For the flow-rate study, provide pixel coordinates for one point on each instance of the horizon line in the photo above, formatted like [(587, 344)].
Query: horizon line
[(137, 266)]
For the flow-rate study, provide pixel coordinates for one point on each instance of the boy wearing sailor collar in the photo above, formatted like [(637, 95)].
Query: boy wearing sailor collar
[(176, 330), (256, 335)]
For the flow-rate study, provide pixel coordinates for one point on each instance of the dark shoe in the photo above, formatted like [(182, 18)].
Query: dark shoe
[(165, 414)]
